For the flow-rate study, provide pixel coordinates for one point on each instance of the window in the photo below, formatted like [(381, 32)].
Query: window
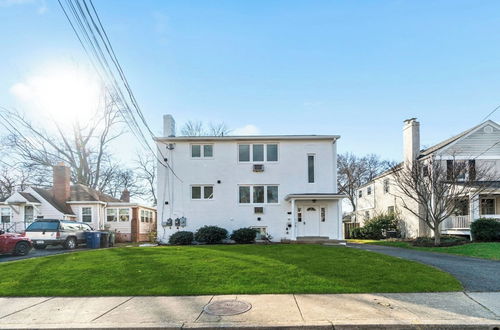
[(202, 192), (367, 215), (360, 193), (322, 214), (202, 150), (5, 214), (461, 207), (86, 227), (272, 152), (244, 152), (460, 170), (124, 215), (390, 210), (310, 168), (259, 194), (369, 190), (488, 206), (299, 214), (146, 216), (261, 232), (86, 214), (258, 152), (244, 194), (272, 194), (386, 186), (111, 215)]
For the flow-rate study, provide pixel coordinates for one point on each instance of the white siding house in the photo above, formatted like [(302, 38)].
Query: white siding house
[(479, 146), (284, 186)]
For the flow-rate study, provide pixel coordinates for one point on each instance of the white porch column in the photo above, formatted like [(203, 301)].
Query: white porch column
[(474, 207), (294, 230), (339, 219)]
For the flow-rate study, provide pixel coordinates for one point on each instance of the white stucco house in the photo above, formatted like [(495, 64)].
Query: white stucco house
[(66, 201), (283, 186), (477, 147)]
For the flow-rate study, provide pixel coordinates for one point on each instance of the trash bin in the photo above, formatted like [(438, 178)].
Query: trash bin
[(93, 239), (112, 236), (104, 239)]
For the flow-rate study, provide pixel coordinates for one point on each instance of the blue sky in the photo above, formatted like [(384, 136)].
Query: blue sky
[(354, 68)]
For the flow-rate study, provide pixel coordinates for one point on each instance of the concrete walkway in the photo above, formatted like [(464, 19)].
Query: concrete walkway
[(342, 311), (475, 274)]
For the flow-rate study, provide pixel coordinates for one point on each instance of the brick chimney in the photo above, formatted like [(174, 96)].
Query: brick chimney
[(125, 197), (61, 183), (411, 139)]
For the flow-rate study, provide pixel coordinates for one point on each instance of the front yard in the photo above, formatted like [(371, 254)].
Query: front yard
[(219, 269), (489, 250)]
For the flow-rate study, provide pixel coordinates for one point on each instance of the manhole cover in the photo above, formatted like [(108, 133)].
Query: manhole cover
[(227, 307)]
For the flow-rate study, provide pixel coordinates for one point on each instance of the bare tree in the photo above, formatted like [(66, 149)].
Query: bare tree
[(198, 128), (120, 179), (82, 146), (355, 171), (12, 180), (146, 175), (433, 189)]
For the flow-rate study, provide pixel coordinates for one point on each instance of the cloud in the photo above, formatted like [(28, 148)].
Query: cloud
[(41, 5), (247, 130)]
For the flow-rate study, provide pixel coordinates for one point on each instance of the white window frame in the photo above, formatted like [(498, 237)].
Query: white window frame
[(266, 202), (115, 215), (262, 231), (202, 192), (2, 215), (386, 186), (323, 213), (265, 160), (494, 205), (91, 214), (313, 168), (368, 191), (202, 150)]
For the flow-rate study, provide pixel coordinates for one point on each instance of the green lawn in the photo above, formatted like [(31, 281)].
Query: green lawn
[(219, 269), (479, 250)]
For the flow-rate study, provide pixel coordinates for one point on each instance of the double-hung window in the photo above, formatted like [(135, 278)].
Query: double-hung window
[(258, 152), (111, 215), (258, 194), (202, 151), (202, 192), (5, 214), (86, 214), (118, 214), (146, 216), (487, 206)]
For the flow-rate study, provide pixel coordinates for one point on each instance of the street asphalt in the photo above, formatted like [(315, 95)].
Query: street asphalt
[(475, 274), (50, 250)]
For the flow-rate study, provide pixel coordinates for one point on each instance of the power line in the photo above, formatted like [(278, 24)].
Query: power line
[(491, 113)]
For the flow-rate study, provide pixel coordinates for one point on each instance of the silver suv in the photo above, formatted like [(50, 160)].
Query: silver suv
[(67, 233)]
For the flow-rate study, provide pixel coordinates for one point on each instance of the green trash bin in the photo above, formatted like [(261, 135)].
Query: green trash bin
[(104, 239), (112, 237)]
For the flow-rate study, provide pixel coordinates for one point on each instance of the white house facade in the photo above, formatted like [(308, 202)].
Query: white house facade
[(283, 186), (478, 148)]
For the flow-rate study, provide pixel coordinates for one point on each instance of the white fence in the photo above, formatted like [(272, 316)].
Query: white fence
[(457, 222)]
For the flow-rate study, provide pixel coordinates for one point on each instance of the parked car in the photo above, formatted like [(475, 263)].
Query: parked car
[(16, 244), (67, 233)]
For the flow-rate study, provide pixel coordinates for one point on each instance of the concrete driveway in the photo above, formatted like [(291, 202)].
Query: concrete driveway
[(475, 274), (50, 250)]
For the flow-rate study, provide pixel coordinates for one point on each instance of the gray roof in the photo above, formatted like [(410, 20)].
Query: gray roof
[(29, 197), (248, 138), (49, 197)]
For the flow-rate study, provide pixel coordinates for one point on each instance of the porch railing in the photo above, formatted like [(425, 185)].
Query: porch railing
[(457, 222)]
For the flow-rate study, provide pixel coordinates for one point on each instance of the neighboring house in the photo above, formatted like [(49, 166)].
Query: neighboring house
[(283, 186), (131, 221), (479, 146)]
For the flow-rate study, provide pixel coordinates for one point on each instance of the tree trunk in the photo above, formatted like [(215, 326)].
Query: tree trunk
[(437, 235)]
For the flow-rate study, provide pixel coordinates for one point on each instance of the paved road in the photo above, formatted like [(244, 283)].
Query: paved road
[(476, 274), (50, 250)]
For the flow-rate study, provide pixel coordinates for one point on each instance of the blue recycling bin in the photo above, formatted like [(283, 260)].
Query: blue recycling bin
[(93, 239)]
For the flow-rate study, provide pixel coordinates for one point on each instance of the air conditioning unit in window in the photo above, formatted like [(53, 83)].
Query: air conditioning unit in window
[(258, 167), (258, 210)]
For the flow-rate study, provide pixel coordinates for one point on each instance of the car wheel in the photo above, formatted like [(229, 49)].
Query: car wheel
[(70, 243), (39, 247), (22, 249)]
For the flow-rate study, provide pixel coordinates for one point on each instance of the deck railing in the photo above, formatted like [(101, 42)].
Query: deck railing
[(457, 222)]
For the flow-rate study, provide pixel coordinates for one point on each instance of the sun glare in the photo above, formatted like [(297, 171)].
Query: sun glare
[(64, 93)]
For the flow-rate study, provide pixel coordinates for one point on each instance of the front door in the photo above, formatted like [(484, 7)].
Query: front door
[(310, 220)]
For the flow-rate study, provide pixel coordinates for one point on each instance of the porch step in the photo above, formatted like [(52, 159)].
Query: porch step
[(315, 240)]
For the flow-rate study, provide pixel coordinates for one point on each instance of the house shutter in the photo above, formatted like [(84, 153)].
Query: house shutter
[(472, 170), (449, 170)]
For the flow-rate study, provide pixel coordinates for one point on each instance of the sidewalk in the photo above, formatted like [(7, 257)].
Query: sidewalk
[(342, 311)]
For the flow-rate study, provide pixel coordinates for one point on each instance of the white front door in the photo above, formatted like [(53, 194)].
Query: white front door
[(310, 221)]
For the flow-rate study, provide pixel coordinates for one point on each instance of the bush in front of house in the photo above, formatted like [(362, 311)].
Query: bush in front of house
[(210, 234), (379, 226), (181, 238), (446, 240), (485, 230), (358, 233), (244, 235)]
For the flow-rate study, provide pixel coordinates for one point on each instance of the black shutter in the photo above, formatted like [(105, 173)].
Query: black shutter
[(472, 170), (449, 170)]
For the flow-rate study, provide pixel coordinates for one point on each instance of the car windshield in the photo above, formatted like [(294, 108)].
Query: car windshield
[(43, 225)]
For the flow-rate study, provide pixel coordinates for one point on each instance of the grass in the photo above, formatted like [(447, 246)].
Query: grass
[(219, 269), (479, 250)]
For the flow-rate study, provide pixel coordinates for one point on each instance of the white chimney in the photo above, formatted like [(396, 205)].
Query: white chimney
[(168, 126), (411, 139)]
